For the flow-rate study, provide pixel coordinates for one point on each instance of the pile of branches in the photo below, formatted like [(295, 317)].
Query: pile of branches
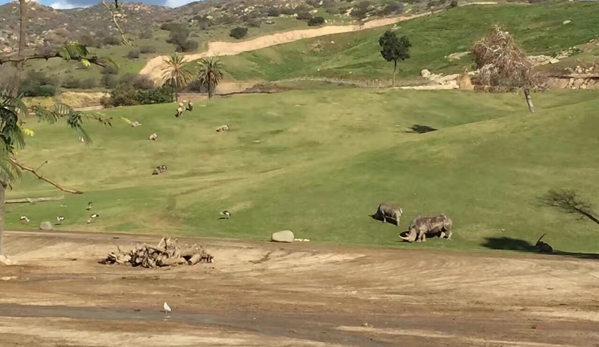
[(503, 65), (166, 253)]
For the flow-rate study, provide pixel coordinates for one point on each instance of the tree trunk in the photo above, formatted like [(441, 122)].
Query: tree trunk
[(2, 205), (394, 70), (22, 46), (176, 94), (531, 107), (210, 89)]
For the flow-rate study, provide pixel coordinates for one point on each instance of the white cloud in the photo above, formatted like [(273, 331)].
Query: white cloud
[(177, 3), (62, 5)]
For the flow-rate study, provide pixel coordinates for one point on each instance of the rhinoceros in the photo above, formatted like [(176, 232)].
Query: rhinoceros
[(422, 226)]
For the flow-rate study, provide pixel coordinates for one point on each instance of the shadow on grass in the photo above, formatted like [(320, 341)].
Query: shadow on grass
[(511, 244), (380, 219), (420, 129)]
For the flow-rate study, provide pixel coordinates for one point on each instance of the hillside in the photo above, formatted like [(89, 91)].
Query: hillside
[(539, 29), (318, 162)]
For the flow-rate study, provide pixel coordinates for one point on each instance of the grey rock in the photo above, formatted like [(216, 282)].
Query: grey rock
[(46, 226), (283, 236)]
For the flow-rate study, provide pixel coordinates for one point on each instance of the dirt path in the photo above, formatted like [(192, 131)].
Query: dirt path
[(155, 66), (301, 294)]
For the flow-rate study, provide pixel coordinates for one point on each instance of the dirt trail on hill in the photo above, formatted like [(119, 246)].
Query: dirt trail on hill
[(155, 66), (300, 294)]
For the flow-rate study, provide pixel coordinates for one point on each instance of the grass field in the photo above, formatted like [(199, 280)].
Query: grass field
[(319, 162), (538, 28)]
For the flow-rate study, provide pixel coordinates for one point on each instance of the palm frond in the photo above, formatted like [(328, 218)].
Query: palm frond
[(44, 115)]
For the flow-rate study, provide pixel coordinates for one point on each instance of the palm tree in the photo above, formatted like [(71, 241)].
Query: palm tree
[(176, 74), (210, 74)]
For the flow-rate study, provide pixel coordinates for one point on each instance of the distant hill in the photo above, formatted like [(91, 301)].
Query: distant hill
[(54, 26)]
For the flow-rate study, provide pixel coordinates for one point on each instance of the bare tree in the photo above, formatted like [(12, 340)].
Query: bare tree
[(503, 65), (568, 201)]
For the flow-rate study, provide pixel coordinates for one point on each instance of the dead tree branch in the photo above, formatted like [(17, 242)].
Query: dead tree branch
[(568, 201), (116, 24), (28, 169), (33, 200)]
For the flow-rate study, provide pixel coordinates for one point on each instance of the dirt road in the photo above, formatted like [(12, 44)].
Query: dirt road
[(300, 294)]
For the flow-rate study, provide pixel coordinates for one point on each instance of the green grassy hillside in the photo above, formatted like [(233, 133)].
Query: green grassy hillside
[(539, 28), (319, 162)]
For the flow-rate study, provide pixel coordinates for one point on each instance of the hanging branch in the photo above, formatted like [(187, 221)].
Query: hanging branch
[(92, 60), (116, 23), (28, 169)]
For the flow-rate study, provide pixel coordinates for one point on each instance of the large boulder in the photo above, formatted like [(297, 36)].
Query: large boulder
[(46, 226), (283, 236)]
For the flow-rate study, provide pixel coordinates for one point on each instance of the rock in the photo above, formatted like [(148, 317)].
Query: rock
[(457, 55), (283, 236), (425, 73), (46, 226), (567, 22), (4, 260)]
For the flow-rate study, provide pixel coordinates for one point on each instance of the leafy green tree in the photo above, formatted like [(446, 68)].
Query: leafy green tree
[(176, 74), (394, 49), (13, 110), (210, 74)]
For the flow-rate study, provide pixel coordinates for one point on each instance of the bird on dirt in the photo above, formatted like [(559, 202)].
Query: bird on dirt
[(167, 308), (226, 213), (24, 219)]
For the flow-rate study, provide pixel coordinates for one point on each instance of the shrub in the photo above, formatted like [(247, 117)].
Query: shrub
[(146, 35), (331, 9), (133, 54), (112, 41), (88, 83), (273, 12), (304, 15), (392, 8), (316, 21), (28, 88), (238, 33), (125, 94), (110, 70), (109, 80), (254, 22), (453, 3), (71, 83)]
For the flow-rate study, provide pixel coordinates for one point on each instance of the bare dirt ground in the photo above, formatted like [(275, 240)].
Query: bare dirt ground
[(301, 294)]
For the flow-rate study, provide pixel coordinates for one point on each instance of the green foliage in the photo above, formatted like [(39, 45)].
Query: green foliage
[(316, 21), (238, 32), (210, 74), (126, 94), (394, 48), (179, 37), (177, 73)]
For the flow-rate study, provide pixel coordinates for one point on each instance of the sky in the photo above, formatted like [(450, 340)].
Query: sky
[(67, 4)]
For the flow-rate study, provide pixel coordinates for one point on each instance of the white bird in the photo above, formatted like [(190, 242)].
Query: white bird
[(95, 215), (89, 206), (167, 308), (24, 219), (226, 214), (59, 218)]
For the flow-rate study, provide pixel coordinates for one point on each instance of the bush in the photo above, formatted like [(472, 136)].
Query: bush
[(304, 15), (109, 80), (147, 49), (238, 33), (125, 94), (392, 8), (112, 41), (71, 83), (332, 9), (254, 22), (273, 12), (30, 89), (146, 35), (453, 3), (316, 21), (110, 70), (88, 83), (133, 54)]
